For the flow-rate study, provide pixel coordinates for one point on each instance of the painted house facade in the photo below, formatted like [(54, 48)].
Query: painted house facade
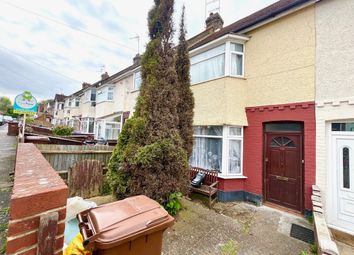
[(335, 111), (254, 88)]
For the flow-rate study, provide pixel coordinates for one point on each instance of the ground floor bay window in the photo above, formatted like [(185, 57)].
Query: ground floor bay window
[(107, 129), (218, 148)]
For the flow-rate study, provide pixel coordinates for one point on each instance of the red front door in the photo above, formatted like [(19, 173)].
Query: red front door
[(283, 169)]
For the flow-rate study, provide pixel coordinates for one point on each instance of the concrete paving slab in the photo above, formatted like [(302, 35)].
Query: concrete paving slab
[(232, 228)]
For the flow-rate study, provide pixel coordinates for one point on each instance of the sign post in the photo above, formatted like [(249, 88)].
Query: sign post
[(25, 104)]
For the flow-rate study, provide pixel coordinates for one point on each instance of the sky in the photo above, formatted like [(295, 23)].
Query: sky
[(50, 47)]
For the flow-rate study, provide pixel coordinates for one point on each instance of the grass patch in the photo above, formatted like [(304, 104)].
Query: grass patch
[(230, 248)]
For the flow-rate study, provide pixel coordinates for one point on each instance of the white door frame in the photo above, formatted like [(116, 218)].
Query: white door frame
[(332, 177)]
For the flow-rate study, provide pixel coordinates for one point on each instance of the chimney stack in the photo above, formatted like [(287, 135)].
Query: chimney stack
[(85, 85), (137, 59), (104, 76), (214, 22)]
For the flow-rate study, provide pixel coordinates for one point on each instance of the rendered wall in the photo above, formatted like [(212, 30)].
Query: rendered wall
[(221, 101), (279, 60), (334, 76), (122, 89), (334, 49)]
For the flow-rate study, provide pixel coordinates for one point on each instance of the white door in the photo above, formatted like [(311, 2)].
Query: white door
[(342, 209)]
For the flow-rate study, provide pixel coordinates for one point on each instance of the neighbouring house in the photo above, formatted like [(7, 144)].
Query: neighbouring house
[(116, 98), (58, 109), (335, 111)]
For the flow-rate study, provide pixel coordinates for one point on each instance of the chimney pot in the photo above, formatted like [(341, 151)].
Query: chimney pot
[(137, 59), (214, 22), (104, 76), (85, 85)]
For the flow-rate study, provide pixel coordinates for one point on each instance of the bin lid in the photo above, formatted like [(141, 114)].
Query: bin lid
[(127, 219)]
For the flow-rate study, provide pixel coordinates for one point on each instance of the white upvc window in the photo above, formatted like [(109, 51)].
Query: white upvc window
[(226, 59), (77, 102), (107, 129), (137, 80), (237, 59), (208, 65), (87, 125), (110, 93), (218, 148), (105, 94), (90, 95)]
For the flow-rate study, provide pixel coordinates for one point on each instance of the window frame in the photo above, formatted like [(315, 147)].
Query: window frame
[(227, 57), (135, 88), (226, 138), (232, 52), (102, 94), (77, 102), (207, 59)]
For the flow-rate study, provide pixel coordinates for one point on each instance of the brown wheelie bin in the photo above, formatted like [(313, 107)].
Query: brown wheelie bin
[(131, 226)]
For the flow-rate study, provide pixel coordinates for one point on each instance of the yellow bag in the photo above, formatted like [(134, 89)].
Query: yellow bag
[(76, 247)]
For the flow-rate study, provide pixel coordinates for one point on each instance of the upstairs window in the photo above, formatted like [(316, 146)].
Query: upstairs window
[(105, 94), (137, 80), (208, 65), (90, 95), (77, 102), (226, 59), (236, 51), (110, 93)]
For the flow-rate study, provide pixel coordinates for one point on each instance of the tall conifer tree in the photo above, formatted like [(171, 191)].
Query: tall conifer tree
[(185, 104), (149, 157)]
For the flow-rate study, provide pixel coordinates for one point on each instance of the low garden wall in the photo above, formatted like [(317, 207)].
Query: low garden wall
[(37, 206)]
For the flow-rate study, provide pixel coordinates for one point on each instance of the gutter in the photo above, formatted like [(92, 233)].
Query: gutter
[(276, 15)]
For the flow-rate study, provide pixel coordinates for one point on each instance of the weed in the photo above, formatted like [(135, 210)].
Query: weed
[(173, 205), (314, 248), (3, 248), (230, 248), (3, 227), (5, 210), (310, 219), (304, 253)]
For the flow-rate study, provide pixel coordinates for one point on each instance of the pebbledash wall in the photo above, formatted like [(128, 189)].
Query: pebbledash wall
[(37, 192), (334, 85)]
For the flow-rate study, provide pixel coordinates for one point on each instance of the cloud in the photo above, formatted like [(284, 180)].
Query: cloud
[(37, 39), (73, 21)]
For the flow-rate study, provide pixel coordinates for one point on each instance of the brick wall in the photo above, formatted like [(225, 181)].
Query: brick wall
[(253, 143), (38, 191)]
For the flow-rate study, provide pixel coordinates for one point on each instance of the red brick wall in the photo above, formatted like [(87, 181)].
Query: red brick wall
[(253, 142), (37, 190), (231, 184)]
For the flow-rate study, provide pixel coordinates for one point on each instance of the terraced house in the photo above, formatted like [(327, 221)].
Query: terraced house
[(254, 87), (335, 111)]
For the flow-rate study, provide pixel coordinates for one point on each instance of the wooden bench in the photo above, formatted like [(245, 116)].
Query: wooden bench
[(210, 183)]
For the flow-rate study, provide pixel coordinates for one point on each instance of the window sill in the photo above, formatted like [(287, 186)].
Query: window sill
[(134, 90), (104, 101), (218, 78), (224, 176)]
